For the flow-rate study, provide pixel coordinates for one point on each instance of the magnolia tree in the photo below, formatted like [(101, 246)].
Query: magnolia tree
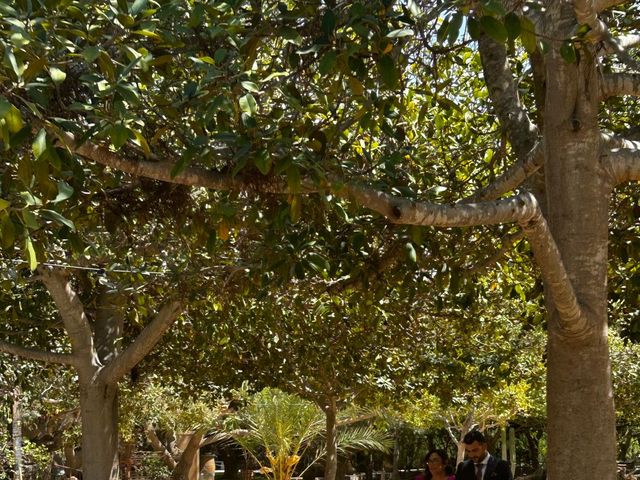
[(430, 114)]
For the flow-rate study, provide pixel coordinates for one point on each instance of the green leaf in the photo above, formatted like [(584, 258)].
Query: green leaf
[(40, 143), (295, 210), (140, 140), (474, 28), (493, 6), (4, 106), (401, 32), (528, 35), (12, 60), (7, 230), (106, 66), (568, 52), (4, 204), (64, 191), (442, 30), (388, 72), (512, 24), (30, 199), (329, 21), (128, 92), (57, 75), (30, 219), (453, 32), (291, 35), (263, 161), (248, 104), (138, 6), (34, 68), (148, 34), (14, 119), (494, 28), (411, 252), (327, 63), (182, 163), (31, 254), (56, 217), (293, 179), (91, 53), (250, 87), (318, 262), (119, 134)]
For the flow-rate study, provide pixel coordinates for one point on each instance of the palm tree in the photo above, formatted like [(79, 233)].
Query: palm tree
[(277, 429)]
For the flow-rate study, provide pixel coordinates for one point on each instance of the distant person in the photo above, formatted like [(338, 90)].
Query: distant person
[(480, 464), (437, 467)]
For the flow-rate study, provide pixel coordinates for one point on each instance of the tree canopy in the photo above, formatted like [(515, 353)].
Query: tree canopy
[(196, 159)]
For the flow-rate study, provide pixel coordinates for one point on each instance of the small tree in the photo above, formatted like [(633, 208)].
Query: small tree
[(280, 428)]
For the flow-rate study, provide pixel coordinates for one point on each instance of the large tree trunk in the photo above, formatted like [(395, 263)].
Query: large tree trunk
[(581, 418), (99, 409), (331, 458)]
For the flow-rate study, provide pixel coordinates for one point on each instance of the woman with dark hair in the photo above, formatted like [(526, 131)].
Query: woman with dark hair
[(438, 467)]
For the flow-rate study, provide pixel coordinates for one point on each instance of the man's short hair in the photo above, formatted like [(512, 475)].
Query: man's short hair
[(474, 436)]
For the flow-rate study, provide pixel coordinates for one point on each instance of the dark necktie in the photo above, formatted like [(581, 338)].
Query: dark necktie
[(479, 471)]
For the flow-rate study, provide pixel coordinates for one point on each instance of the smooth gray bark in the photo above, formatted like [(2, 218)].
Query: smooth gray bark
[(579, 390), (331, 455)]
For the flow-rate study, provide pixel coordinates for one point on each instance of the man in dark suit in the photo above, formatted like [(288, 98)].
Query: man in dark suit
[(480, 464)]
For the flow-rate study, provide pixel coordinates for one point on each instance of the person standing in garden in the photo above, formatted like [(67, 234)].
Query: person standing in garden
[(437, 467), (480, 464)]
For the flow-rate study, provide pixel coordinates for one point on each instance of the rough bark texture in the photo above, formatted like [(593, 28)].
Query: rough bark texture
[(581, 442)]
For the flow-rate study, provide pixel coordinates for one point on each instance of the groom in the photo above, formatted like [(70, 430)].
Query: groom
[(480, 464)]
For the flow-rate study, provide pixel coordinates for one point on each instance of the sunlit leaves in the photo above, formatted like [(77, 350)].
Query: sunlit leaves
[(39, 144), (57, 75), (248, 105), (30, 253)]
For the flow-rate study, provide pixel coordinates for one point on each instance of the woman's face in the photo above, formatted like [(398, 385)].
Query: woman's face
[(435, 463)]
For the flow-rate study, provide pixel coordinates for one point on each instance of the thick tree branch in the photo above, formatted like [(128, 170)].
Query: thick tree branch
[(614, 141), (617, 84), (587, 14), (572, 320), (629, 41), (156, 444), (512, 178), (40, 355), (600, 5), (622, 165), (619, 48), (503, 91), (190, 451), (193, 175), (142, 345), (523, 209), (408, 212), (71, 310)]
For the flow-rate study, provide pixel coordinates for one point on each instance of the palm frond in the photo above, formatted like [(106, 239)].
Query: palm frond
[(365, 438)]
